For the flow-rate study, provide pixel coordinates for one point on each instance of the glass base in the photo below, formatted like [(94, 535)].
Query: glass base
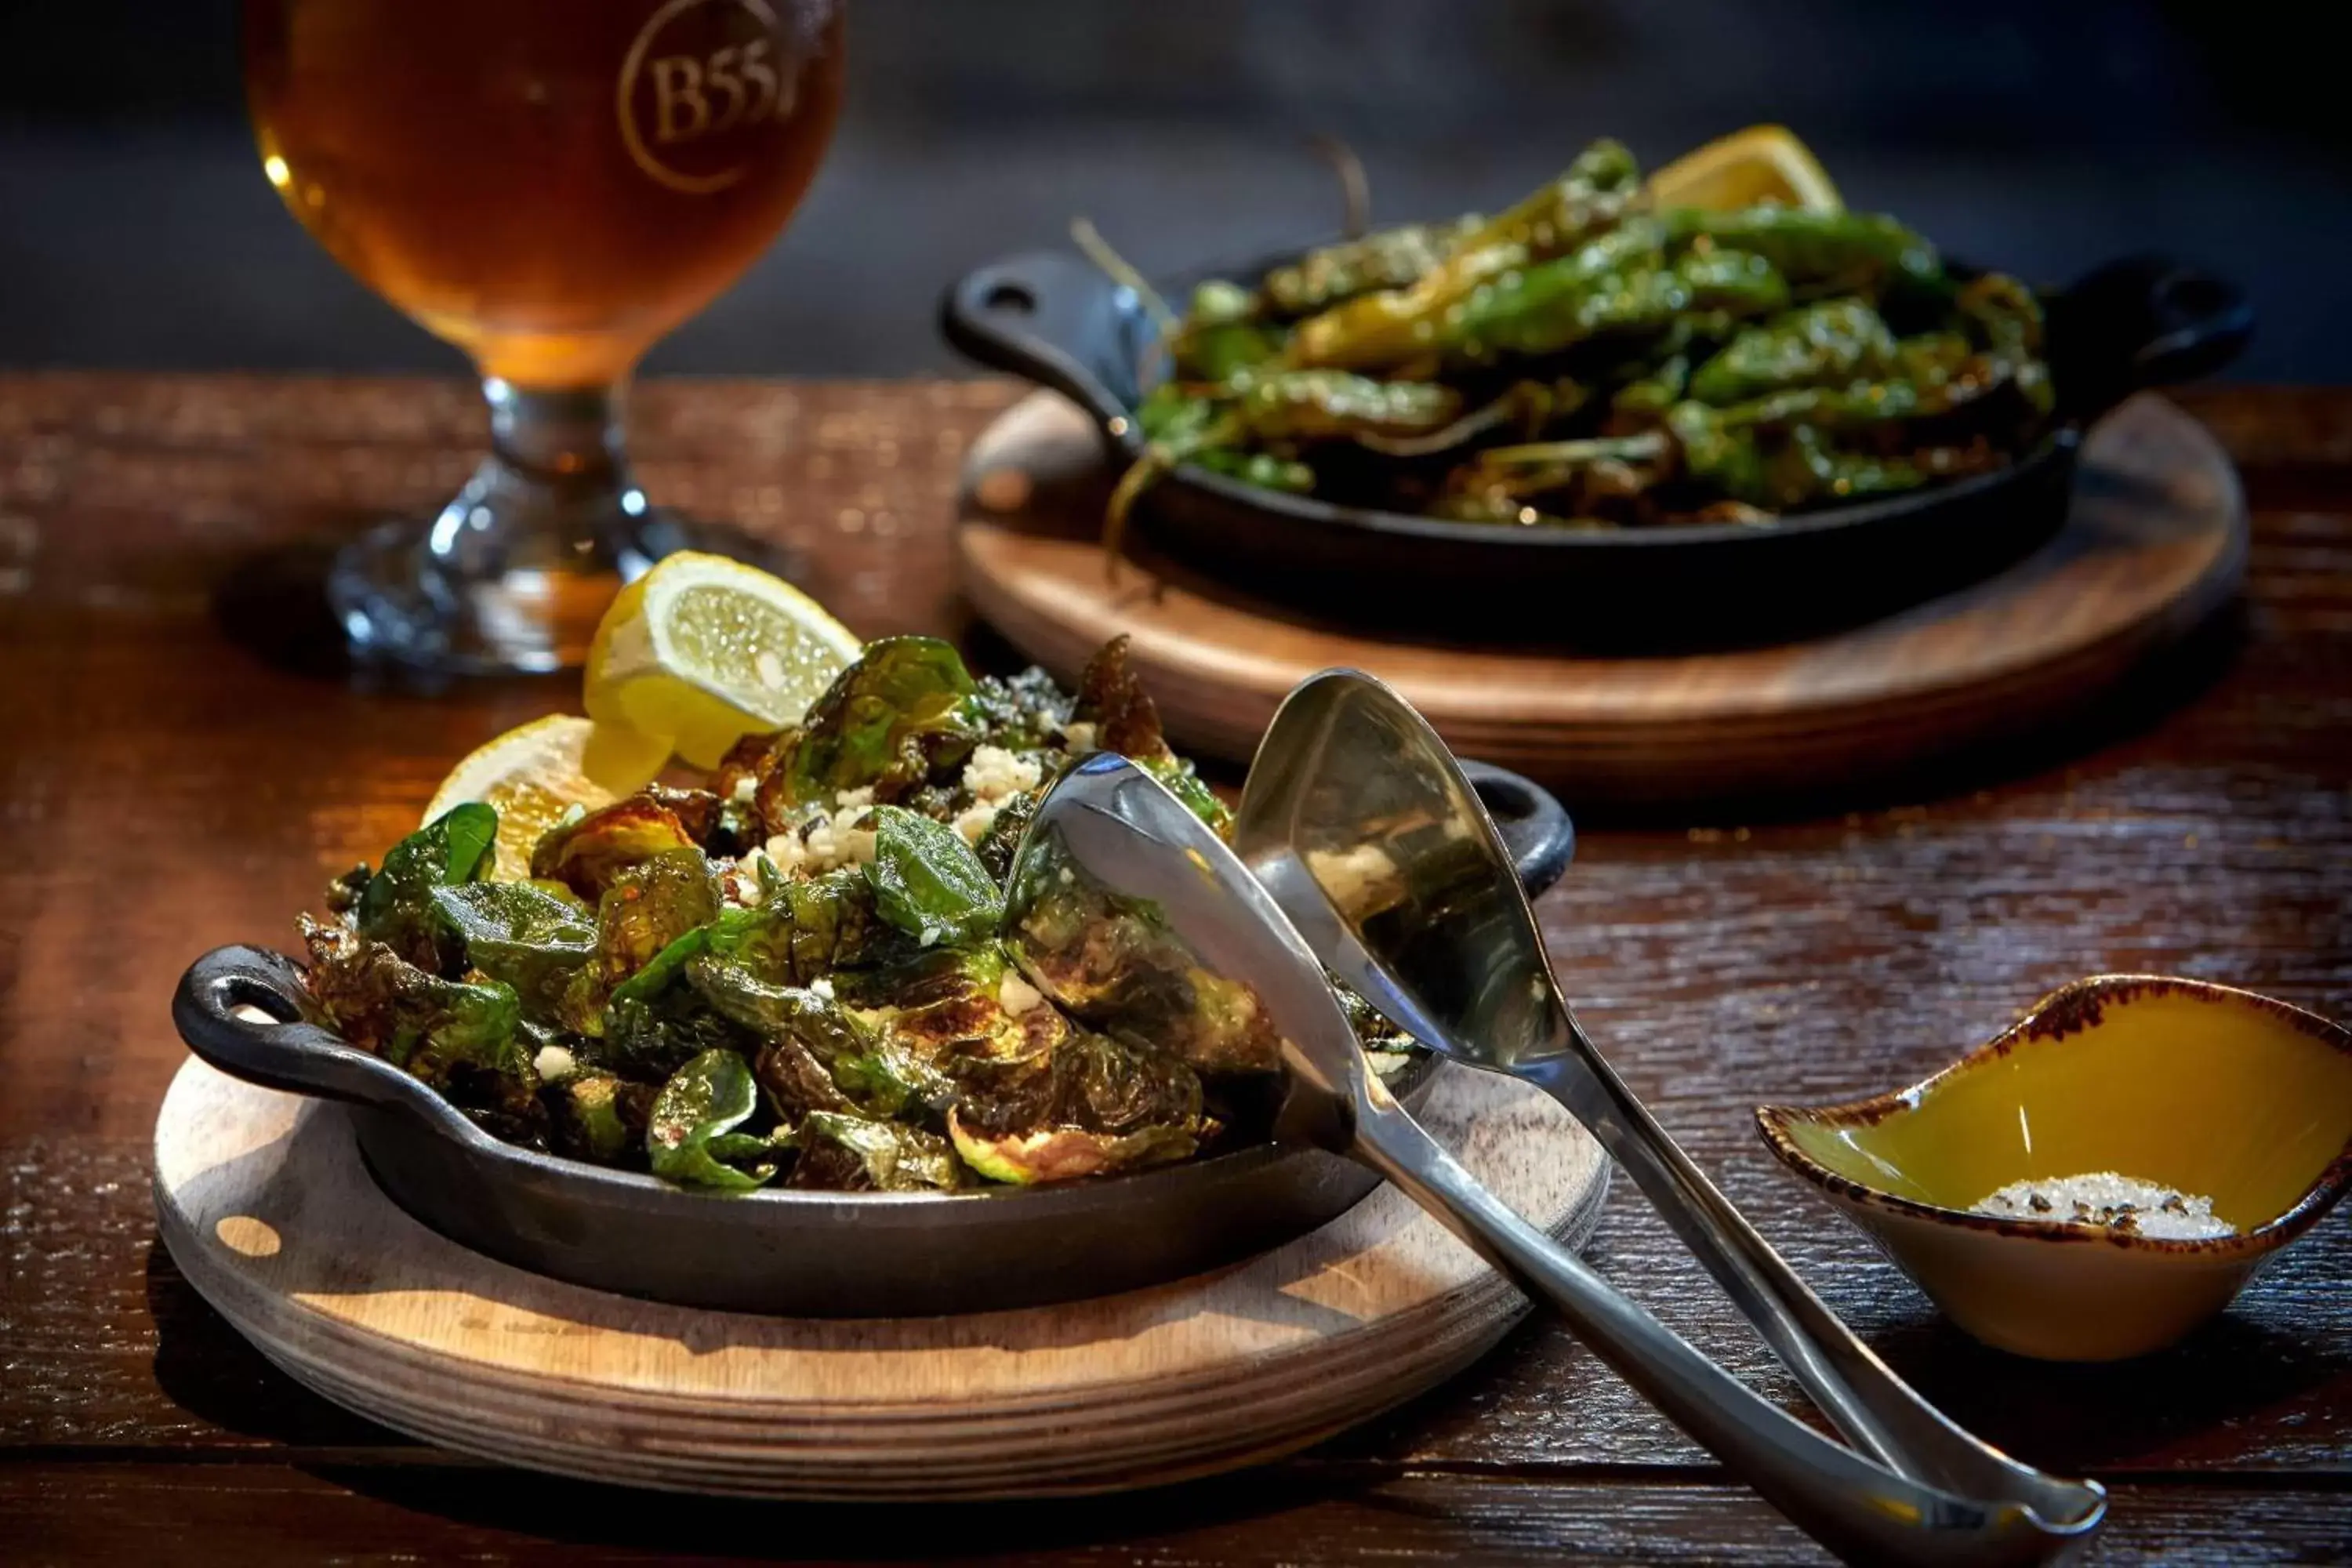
[(397, 603), (398, 599), (514, 574)]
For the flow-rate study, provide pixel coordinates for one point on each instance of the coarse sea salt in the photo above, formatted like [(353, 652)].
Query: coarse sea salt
[(2119, 1202)]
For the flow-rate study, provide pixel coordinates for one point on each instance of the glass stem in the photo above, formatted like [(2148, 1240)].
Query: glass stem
[(515, 573), (555, 492)]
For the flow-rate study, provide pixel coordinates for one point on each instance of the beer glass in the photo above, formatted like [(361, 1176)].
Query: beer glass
[(551, 186)]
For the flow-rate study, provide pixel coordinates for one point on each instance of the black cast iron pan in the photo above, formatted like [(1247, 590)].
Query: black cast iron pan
[(798, 1253), (1055, 318)]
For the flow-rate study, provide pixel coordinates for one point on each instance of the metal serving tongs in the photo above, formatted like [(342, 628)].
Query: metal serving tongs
[(1121, 899), (1356, 817)]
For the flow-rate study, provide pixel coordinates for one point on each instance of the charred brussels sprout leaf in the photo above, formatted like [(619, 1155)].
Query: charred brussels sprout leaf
[(806, 928), (515, 933), (380, 1001), (1114, 964), (344, 894), (703, 1101), (651, 905), (589, 855), (652, 1037), (1057, 1076), (599, 1117), (697, 810), (1112, 698), (1002, 842), (396, 906), (1065, 1153), (863, 1067), (928, 882), (851, 1153), (903, 709), (942, 1002), (1105, 1087), (1022, 713), (652, 1025)]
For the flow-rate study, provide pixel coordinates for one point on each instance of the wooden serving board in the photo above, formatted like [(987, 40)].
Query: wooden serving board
[(268, 1209), (2155, 542)]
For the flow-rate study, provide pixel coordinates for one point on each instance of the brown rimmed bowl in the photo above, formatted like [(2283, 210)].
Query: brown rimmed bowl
[(2201, 1087)]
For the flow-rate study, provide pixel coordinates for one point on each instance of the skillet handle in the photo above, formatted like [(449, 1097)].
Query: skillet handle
[(1534, 826), (1054, 319), (2144, 322), (294, 1055)]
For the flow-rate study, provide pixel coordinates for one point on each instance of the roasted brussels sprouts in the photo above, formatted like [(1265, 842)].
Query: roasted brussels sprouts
[(798, 975)]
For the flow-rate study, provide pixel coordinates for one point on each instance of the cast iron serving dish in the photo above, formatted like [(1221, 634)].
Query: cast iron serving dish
[(1057, 319), (805, 1254)]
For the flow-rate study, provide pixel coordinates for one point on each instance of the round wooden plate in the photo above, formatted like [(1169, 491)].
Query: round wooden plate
[(269, 1210), (2155, 542)]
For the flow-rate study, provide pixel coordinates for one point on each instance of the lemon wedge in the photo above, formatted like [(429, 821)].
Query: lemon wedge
[(536, 772), (1762, 163), (703, 650)]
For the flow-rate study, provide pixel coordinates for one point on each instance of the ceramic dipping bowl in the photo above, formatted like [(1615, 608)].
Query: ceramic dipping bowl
[(2202, 1089)]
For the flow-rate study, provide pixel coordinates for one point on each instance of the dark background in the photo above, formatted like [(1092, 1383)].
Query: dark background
[(135, 230)]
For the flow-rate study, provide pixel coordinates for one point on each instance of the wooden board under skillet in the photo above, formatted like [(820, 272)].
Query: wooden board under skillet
[(269, 1211), (2155, 542)]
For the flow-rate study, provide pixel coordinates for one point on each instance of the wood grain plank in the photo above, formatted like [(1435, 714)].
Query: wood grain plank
[(164, 787), (1298, 1513)]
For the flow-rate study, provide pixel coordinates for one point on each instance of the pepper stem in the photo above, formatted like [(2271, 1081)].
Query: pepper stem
[(1159, 459)]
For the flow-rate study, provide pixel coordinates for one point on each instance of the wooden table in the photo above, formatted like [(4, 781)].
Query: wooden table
[(168, 789)]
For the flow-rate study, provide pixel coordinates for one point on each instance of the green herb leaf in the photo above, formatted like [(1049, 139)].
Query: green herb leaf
[(928, 882), (905, 707), (397, 907), (521, 934), (705, 1098)]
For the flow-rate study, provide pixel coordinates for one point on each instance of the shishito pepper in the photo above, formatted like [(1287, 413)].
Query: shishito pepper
[(1221, 336), (1817, 252), (1277, 407), (1829, 343), (1620, 284), (1388, 258), (1389, 328), (1754, 350)]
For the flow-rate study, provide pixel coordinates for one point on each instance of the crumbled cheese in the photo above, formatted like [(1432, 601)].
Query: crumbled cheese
[(850, 801), (839, 840), (740, 884), (1016, 995), (974, 820), (746, 788), (1079, 737), (553, 1064), (996, 775), (821, 986), (788, 852)]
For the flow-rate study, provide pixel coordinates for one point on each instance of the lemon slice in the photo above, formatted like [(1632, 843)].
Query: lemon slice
[(534, 774), (703, 650), (1762, 163)]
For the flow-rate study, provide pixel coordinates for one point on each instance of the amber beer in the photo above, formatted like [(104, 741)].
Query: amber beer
[(550, 185)]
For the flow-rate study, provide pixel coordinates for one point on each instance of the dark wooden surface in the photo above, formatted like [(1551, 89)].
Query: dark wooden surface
[(168, 786)]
